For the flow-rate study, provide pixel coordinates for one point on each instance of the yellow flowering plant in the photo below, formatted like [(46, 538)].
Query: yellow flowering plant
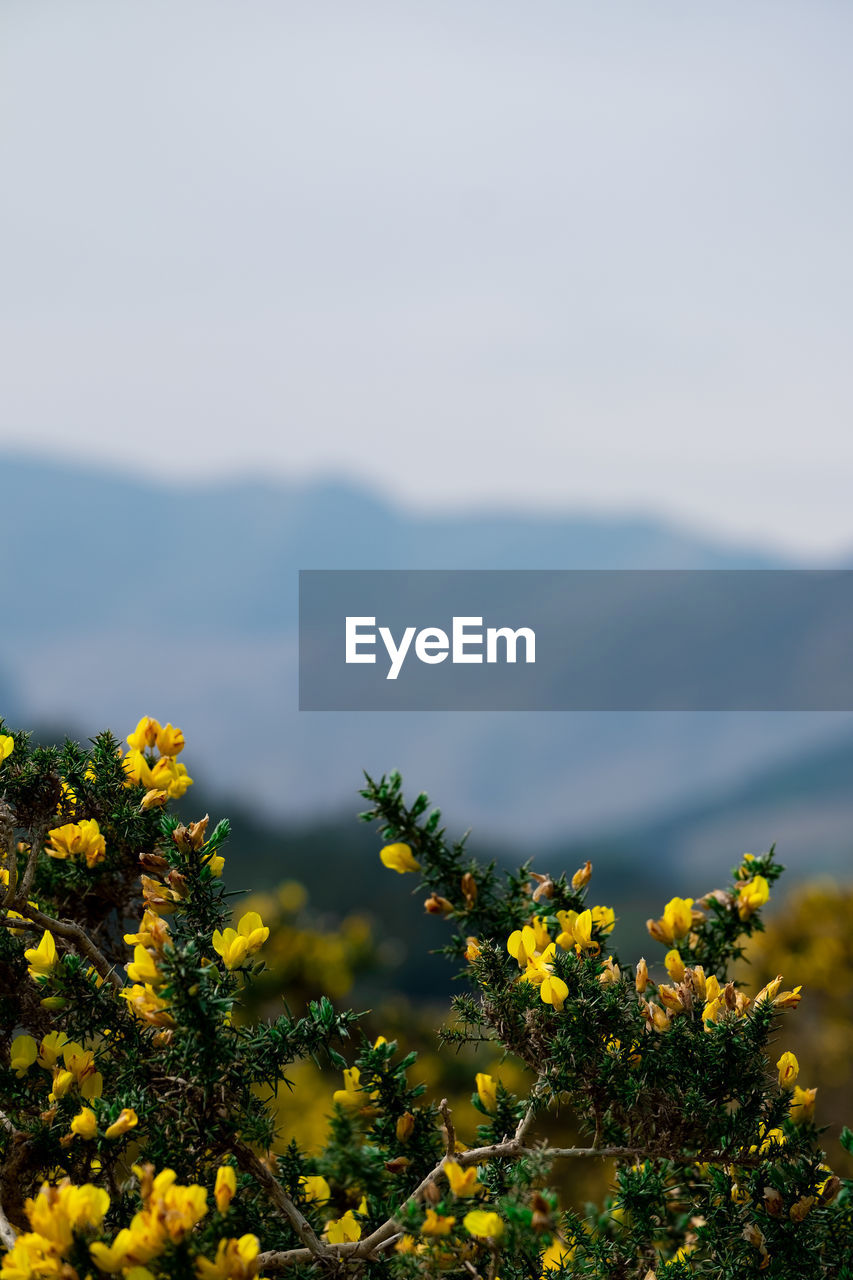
[(139, 1130)]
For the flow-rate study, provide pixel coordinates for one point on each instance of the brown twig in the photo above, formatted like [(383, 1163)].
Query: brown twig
[(72, 933), (449, 1131), (247, 1160), (387, 1234)]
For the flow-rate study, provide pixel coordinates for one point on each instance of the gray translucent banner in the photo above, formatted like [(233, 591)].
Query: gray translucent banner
[(596, 640)]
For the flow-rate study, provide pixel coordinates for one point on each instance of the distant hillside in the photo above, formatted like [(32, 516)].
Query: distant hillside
[(85, 547), (124, 598)]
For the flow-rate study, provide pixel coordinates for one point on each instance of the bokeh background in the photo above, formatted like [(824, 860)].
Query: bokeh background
[(423, 286)]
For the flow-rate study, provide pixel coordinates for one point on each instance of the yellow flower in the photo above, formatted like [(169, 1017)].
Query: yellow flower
[(144, 736), (556, 1256), (236, 945), (56, 1213), (341, 1230), (674, 965), (802, 1104), (153, 932), (713, 1009), (641, 981), (315, 1187), (553, 991), (78, 840), (144, 969), (436, 1224), (399, 857), (483, 1224), (42, 959), (147, 1005), (235, 1260), (24, 1053), (604, 919), (51, 1048), (352, 1094), (789, 1069), (752, 894), (127, 1119), (463, 1182), (81, 1063), (169, 775), (487, 1091), (137, 770), (225, 1187), (677, 916), (169, 740), (85, 1123), (472, 949), (179, 1207), (7, 745), (521, 945)]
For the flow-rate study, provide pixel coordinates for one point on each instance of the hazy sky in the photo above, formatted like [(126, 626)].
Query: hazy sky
[(466, 250)]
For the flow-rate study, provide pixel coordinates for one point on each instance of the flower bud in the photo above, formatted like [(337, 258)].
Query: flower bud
[(153, 862), (178, 883), (641, 981), (773, 1202), (154, 798), (582, 876), (197, 830), (469, 889), (801, 1208), (437, 906), (405, 1127), (127, 1119)]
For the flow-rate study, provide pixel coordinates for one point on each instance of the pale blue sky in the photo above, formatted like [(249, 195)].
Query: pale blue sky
[(468, 251)]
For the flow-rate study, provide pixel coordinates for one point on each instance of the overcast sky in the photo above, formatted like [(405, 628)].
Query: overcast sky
[(468, 251)]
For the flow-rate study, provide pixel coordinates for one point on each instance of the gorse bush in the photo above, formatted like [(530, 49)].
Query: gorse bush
[(138, 1128)]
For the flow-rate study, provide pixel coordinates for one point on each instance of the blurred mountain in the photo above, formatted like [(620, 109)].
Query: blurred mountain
[(126, 598)]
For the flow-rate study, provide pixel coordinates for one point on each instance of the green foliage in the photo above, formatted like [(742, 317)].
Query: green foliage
[(130, 1071)]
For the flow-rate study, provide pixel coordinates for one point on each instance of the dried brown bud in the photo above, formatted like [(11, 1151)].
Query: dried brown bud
[(432, 1195), (154, 862), (405, 1127), (542, 1219), (197, 831), (801, 1208), (671, 998), (773, 1202), (163, 1038), (654, 928), (830, 1189), (730, 995), (436, 906), (178, 883), (153, 799), (544, 887), (469, 889), (398, 1165), (582, 876), (181, 838)]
